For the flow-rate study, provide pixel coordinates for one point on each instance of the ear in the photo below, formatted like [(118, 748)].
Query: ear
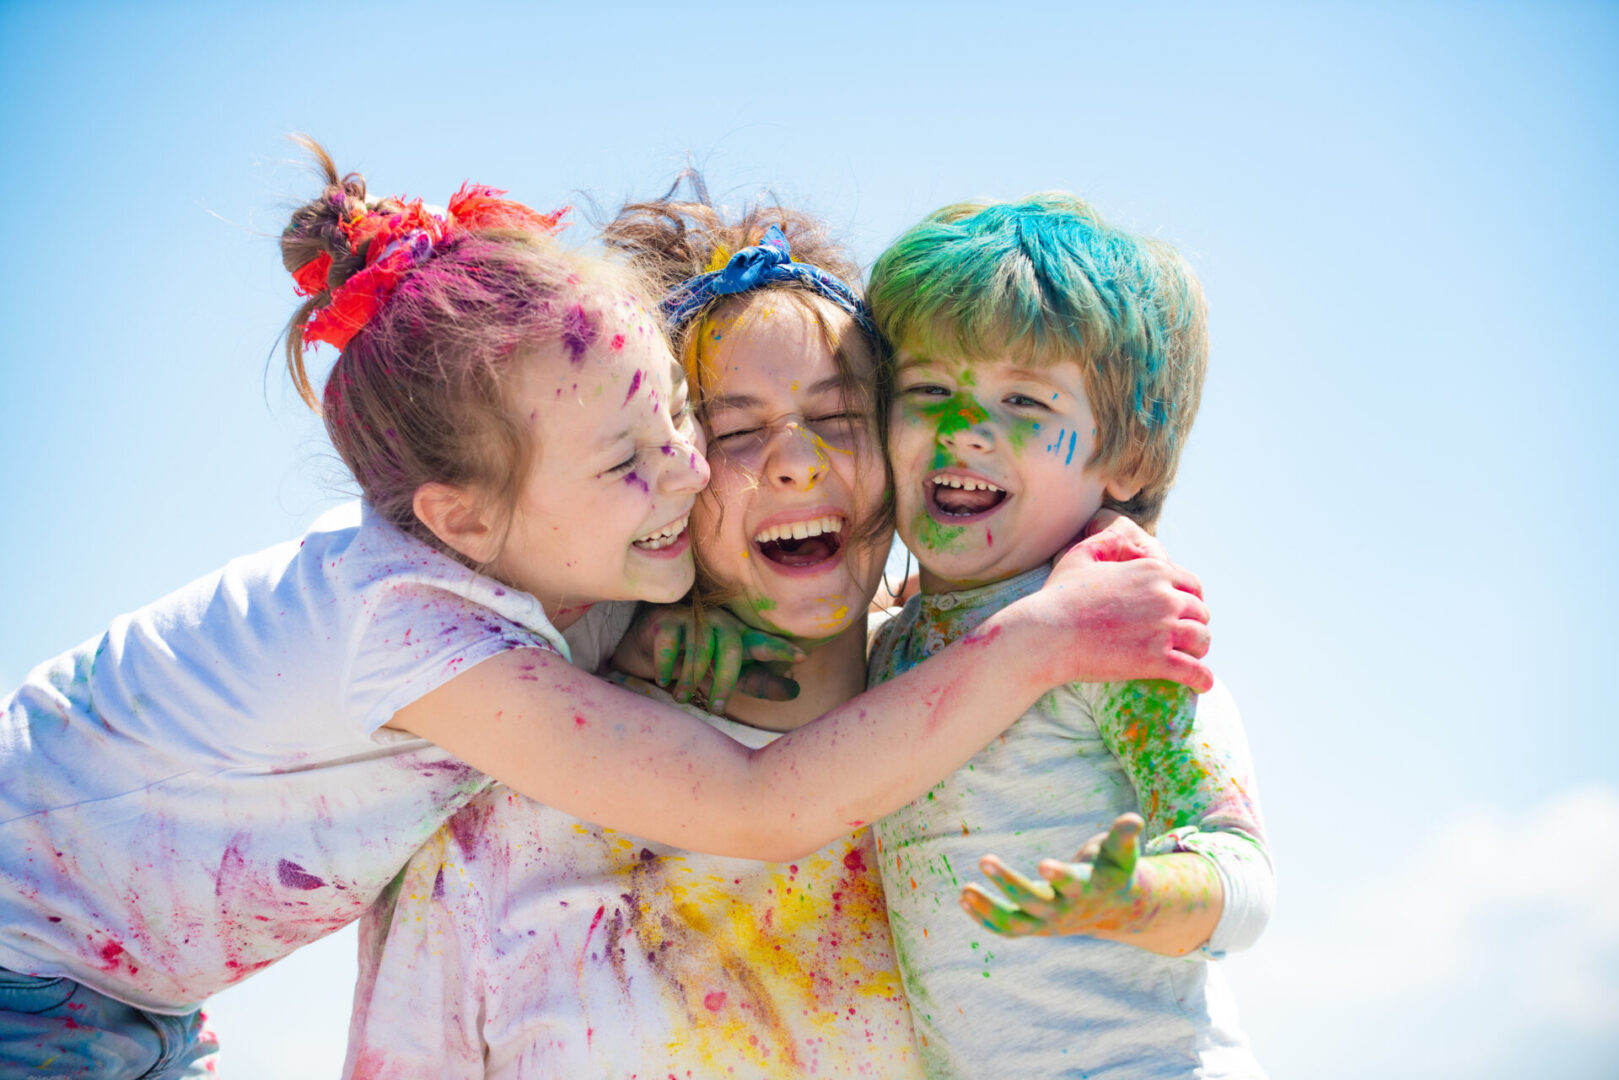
[(1122, 490), (458, 517)]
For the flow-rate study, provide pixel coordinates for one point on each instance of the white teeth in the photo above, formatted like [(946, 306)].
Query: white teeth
[(663, 538), (799, 530), (964, 483)]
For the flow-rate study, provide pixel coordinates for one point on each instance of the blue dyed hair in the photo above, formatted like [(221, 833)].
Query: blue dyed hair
[(1046, 280)]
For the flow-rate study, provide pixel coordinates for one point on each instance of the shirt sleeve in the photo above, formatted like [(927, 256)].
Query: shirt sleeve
[(593, 639), (1188, 759), (418, 996)]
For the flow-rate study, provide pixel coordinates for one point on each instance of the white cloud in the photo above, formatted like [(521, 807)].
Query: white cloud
[(1487, 944)]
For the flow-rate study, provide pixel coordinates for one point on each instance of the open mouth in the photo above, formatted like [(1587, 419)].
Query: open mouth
[(669, 535), (953, 497), (801, 543)]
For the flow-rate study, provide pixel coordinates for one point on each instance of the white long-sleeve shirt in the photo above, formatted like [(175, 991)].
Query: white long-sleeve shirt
[(1073, 1006)]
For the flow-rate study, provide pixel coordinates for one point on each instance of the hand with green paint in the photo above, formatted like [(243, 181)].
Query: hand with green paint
[(1167, 904), (711, 657)]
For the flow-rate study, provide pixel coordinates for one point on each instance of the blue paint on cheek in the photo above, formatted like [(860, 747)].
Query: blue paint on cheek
[(1073, 440)]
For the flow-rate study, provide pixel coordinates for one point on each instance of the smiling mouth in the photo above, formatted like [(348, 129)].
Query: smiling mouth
[(952, 496), (801, 543), (663, 537)]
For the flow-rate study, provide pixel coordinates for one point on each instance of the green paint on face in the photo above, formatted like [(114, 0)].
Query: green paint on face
[(935, 537), (1021, 432), (955, 414), (761, 603)]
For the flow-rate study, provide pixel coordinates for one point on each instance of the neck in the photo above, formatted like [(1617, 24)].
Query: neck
[(564, 613), (833, 673)]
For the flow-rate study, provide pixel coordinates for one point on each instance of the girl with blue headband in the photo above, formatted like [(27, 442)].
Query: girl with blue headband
[(522, 941)]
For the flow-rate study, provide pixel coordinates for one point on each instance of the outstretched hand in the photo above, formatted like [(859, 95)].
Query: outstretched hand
[(1098, 891), (715, 659)]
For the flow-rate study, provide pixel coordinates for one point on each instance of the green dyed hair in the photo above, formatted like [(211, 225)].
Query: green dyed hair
[(1045, 280)]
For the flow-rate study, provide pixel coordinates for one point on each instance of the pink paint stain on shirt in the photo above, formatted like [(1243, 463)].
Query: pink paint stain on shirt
[(714, 1001), (294, 876)]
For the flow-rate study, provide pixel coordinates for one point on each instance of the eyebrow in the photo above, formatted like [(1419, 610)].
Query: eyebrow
[(748, 401)]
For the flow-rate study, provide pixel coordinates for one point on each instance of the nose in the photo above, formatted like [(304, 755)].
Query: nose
[(687, 470), (796, 458), (961, 433)]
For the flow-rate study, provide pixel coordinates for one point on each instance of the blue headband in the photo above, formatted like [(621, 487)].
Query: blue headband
[(754, 268)]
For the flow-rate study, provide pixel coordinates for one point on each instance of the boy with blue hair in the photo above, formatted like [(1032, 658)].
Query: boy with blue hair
[(1046, 365)]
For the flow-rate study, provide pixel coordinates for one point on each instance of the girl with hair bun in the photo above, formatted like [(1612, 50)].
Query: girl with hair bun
[(242, 767), (523, 942)]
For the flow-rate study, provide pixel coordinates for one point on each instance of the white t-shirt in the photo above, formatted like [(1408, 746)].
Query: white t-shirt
[(207, 786), (522, 944)]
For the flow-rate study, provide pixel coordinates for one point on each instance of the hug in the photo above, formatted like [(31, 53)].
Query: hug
[(446, 709)]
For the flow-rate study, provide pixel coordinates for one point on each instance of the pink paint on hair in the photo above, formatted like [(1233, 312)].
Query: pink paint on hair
[(578, 332)]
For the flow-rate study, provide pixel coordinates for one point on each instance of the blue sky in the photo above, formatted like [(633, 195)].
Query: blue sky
[(1399, 491)]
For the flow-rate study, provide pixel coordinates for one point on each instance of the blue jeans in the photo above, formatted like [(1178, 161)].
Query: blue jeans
[(57, 1029)]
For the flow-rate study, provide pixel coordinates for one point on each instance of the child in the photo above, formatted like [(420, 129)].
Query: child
[(522, 942), (1047, 365), (241, 767)]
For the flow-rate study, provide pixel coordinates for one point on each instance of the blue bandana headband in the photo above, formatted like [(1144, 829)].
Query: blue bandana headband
[(754, 268)]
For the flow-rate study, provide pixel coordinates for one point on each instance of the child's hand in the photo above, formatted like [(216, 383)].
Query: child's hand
[(1096, 892), (1138, 618), (719, 657)]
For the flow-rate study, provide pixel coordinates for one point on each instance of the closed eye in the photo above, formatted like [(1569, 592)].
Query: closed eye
[(624, 466), (737, 434)]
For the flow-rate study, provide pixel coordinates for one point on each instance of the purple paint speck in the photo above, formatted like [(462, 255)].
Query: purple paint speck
[(635, 384), (578, 332), (634, 480), (438, 885), (294, 876)]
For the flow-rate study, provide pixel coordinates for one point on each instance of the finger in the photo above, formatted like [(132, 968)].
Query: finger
[(699, 653), (727, 666), (759, 681), (1186, 581), (1099, 522), (1191, 638), (1068, 881), (667, 640), (1033, 896), (997, 915), (1122, 844), (1193, 607), (1092, 848), (1189, 672), (759, 645)]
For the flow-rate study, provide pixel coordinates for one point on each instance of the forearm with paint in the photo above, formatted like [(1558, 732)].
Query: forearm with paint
[(1188, 760)]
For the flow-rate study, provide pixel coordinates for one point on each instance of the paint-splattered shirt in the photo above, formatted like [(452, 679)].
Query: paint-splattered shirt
[(208, 785), (524, 943), (1074, 1006)]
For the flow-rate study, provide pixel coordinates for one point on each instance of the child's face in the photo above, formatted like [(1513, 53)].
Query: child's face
[(989, 465), (617, 464), (790, 456)]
